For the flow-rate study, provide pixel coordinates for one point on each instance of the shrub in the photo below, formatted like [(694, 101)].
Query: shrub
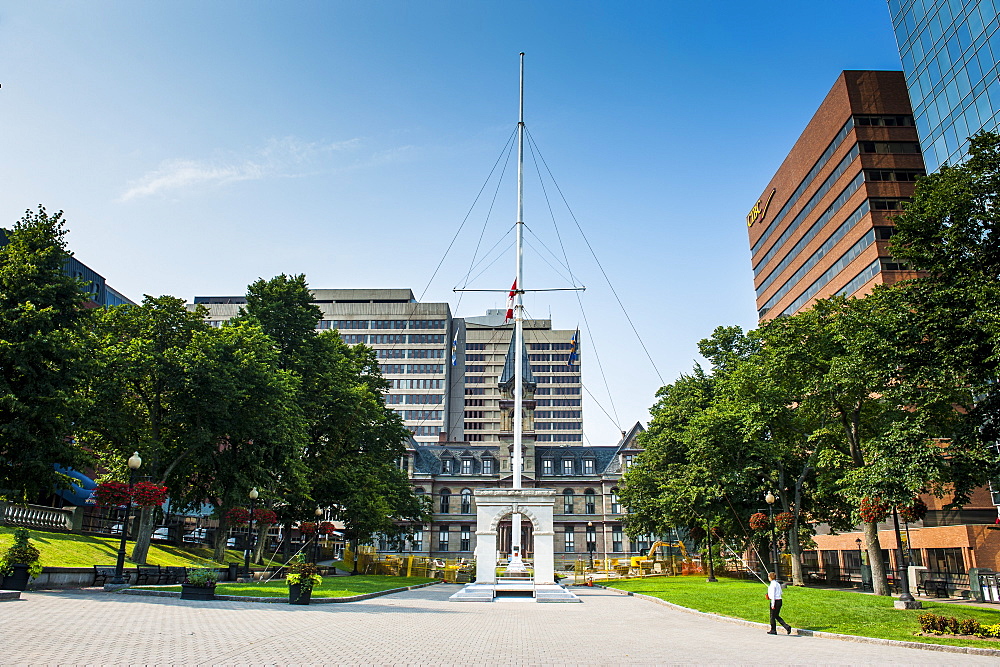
[(22, 552), (989, 630), (953, 628), (969, 626), (928, 622), (204, 577)]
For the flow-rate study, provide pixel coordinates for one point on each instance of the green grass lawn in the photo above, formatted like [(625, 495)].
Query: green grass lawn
[(69, 550), (332, 587), (843, 612)]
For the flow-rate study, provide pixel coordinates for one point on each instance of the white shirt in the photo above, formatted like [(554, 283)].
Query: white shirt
[(774, 591)]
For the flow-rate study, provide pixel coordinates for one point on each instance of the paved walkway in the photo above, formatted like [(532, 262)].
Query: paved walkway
[(415, 627)]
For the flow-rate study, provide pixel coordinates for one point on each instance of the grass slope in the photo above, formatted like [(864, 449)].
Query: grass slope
[(332, 587), (70, 550), (843, 612)]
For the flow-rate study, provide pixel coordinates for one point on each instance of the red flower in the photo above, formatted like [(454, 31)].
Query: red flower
[(873, 510), (326, 528), (759, 522), (913, 512), (238, 516), (307, 527), (148, 494), (784, 521), (112, 494), (265, 516)]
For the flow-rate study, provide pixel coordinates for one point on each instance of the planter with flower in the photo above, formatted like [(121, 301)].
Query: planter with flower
[(20, 563), (200, 584), (302, 577)]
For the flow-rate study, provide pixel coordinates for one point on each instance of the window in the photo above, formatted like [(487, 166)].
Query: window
[(391, 369), (466, 502), (567, 466), (591, 539), (475, 357), (447, 466), (540, 346), (424, 430), (898, 175), (627, 461), (569, 540), (426, 354), (886, 147), (423, 383), (616, 507), (475, 391), (388, 324), (445, 501), (884, 232), (475, 402), (387, 339), (588, 466), (473, 437), (417, 540), (424, 399), (443, 538), (487, 466), (422, 414), (568, 501), (466, 466), (341, 325), (546, 466), (590, 502), (354, 339), (391, 399), (475, 369), (474, 414), (424, 324), (390, 354), (426, 338), (466, 539), (886, 121), (475, 346), (617, 538), (474, 426), (424, 368)]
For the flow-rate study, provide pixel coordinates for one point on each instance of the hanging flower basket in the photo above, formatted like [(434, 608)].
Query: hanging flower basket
[(265, 516), (326, 528), (112, 494), (148, 494), (784, 521), (873, 510), (307, 527), (237, 516), (913, 512), (759, 522)]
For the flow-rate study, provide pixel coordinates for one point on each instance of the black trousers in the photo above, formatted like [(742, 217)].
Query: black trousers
[(776, 615)]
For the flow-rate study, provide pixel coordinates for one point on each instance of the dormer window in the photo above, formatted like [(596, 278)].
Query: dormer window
[(627, 461), (447, 466), (588, 466), (487, 466), (546, 466), (466, 466), (567, 468)]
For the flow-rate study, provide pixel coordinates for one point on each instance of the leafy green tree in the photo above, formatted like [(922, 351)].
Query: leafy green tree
[(41, 361), (951, 231)]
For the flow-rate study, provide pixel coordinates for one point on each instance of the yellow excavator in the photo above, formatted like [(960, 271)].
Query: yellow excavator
[(640, 563)]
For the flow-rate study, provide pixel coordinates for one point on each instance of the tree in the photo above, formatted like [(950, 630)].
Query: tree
[(951, 231), (41, 362)]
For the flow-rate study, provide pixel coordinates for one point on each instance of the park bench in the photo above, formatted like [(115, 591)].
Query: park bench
[(173, 575), (147, 574), (104, 575), (939, 586)]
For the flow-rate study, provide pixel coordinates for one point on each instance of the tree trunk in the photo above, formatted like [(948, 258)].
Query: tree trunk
[(286, 543), (221, 536), (260, 543), (143, 535), (796, 552), (879, 581)]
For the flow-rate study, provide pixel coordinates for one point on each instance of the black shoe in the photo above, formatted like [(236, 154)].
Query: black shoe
[(771, 632), (788, 629)]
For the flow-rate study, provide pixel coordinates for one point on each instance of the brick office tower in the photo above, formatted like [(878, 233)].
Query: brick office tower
[(821, 225)]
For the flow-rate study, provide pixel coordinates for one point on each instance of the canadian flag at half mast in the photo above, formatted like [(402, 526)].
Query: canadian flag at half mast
[(510, 302)]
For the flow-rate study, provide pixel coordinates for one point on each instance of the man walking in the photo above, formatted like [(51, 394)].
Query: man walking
[(774, 595)]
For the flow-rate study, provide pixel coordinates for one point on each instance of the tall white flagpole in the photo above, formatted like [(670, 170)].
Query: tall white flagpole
[(519, 315)]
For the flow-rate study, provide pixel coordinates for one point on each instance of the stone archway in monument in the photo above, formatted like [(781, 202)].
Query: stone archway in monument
[(495, 505)]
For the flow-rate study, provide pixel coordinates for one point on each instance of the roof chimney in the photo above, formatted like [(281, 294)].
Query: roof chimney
[(443, 436)]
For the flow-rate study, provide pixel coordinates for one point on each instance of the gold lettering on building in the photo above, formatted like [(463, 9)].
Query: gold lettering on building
[(758, 211)]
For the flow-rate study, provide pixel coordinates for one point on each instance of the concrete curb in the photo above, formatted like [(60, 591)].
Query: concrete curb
[(943, 648), (277, 600)]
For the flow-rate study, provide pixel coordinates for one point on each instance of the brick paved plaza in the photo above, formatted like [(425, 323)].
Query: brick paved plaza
[(416, 627)]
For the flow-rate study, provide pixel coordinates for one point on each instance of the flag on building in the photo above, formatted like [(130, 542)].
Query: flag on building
[(510, 302), (454, 349), (574, 348)]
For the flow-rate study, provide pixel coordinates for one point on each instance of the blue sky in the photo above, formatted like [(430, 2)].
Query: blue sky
[(198, 146)]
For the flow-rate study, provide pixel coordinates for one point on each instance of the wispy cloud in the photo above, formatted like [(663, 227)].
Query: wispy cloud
[(284, 157)]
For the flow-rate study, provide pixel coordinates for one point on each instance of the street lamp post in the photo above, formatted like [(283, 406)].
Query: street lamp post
[(319, 514), (133, 464), (769, 499), (249, 546), (861, 563), (591, 542), (904, 580)]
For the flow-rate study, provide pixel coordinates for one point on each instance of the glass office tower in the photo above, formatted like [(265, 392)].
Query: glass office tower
[(950, 50)]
